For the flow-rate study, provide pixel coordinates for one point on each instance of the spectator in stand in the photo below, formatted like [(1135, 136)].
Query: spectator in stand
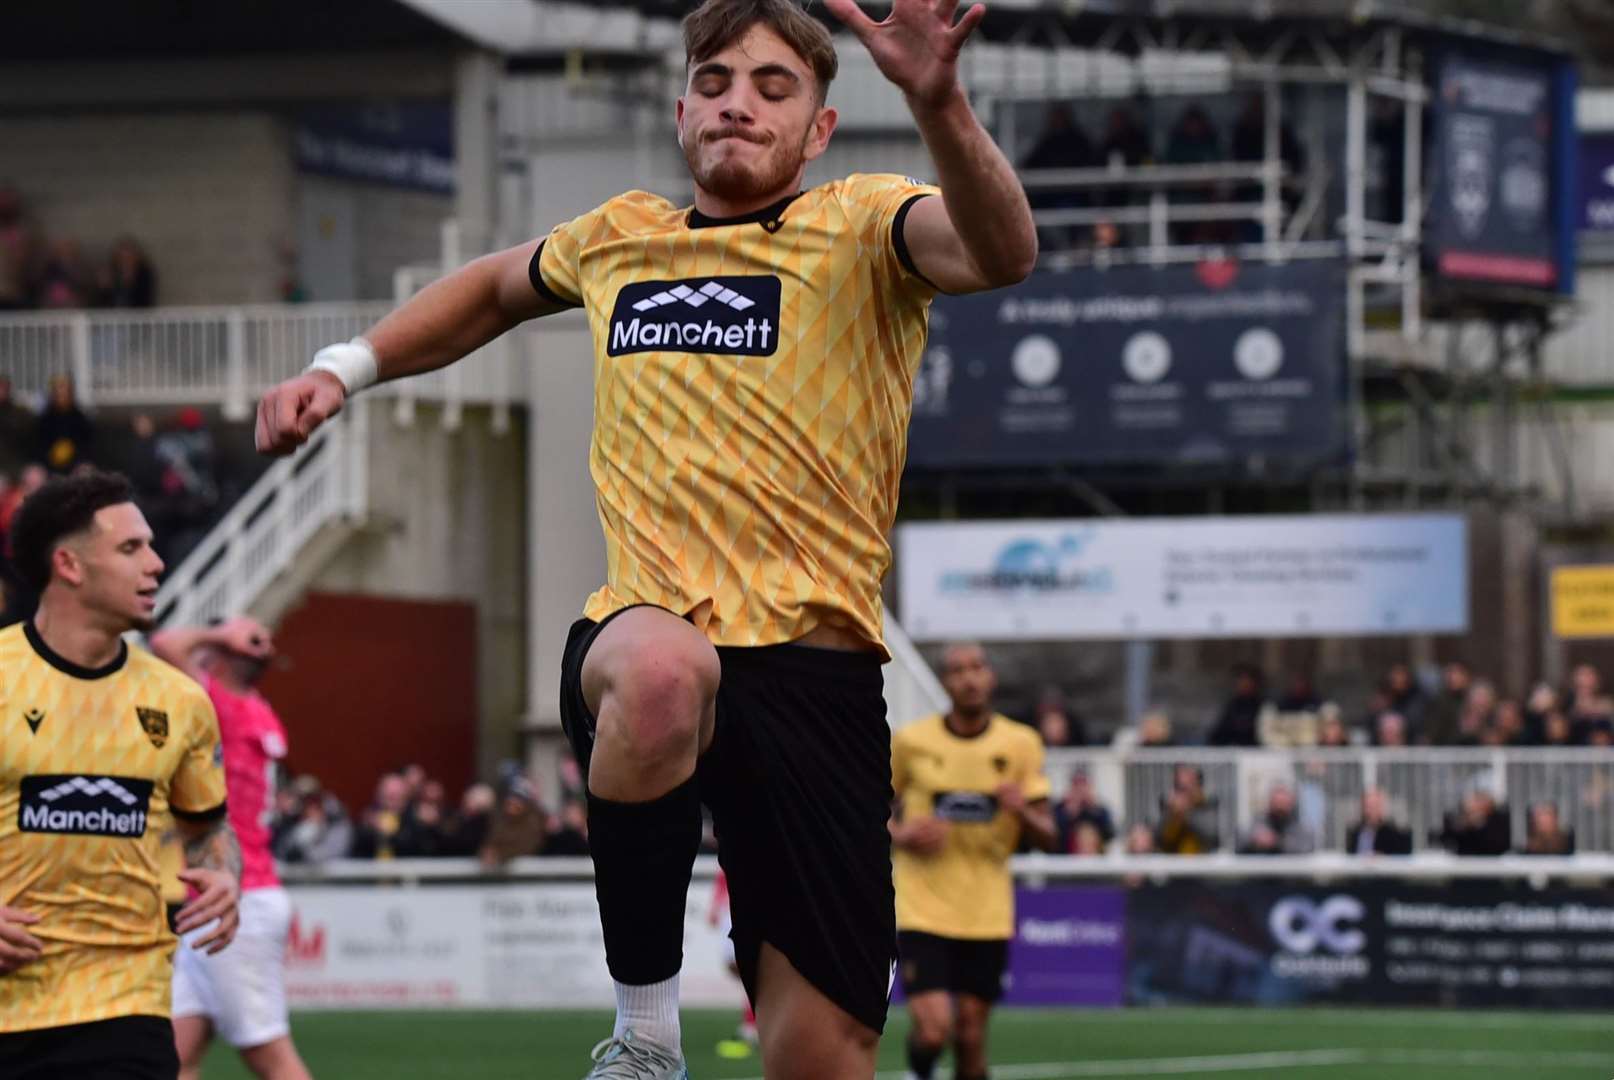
[(19, 253), (1601, 734), (321, 830), (1375, 833), (1331, 726), (427, 818), (17, 437), (1240, 721), (1390, 730), (1545, 834), (1444, 717), (1294, 720), (64, 433), (414, 778), (569, 836), (65, 280), (30, 480), (128, 280), (1140, 840), (1542, 701), (1406, 697), (1279, 831), (1193, 141), (1249, 143), (1479, 713), (190, 495), (1088, 840), (1188, 816), (1507, 729), (519, 825), (1301, 695), (1061, 145), (1556, 729), (387, 830), (1480, 827), (1080, 807), (466, 830), (1586, 704), (1058, 725)]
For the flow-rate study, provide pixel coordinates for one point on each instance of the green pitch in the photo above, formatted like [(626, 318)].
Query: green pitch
[(1230, 1044)]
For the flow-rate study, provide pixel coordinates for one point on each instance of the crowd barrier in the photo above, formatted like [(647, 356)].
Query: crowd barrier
[(1102, 931)]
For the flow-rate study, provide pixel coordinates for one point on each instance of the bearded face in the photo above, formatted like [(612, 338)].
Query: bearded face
[(750, 120)]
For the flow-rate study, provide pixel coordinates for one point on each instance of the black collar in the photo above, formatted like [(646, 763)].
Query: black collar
[(770, 217), (66, 666)]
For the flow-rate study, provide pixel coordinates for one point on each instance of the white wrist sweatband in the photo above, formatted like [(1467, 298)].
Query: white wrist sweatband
[(353, 362)]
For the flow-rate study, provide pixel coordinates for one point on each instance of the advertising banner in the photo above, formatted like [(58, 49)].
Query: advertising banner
[(1268, 576), (1210, 364), (1596, 183), (1378, 942), (517, 945), (400, 144), (1492, 218), (1069, 947)]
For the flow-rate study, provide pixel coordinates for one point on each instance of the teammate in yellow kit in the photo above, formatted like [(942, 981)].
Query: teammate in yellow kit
[(969, 786), (754, 358), (103, 748)]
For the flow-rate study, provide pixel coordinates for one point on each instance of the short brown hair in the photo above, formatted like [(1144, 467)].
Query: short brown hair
[(717, 24)]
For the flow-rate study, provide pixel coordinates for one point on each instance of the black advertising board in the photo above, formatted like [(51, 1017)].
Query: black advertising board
[(1215, 363)]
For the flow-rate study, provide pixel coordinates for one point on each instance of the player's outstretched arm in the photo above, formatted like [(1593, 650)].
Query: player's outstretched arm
[(242, 635), (980, 234), (213, 861), (444, 322)]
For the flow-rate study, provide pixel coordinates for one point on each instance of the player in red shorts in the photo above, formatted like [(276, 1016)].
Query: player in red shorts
[(240, 993)]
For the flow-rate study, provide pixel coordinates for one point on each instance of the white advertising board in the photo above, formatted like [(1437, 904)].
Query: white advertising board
[(1267, 576), (516, 945)]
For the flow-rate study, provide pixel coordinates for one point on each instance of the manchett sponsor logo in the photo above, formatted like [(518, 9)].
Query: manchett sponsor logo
[(84, 805), (721, 315)]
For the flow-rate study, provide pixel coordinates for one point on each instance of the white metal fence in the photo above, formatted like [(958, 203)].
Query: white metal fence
[(1423, 784)]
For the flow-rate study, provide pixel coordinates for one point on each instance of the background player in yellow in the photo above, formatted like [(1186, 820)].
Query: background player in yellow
[(103, 748), (754, 365), (969, 786)]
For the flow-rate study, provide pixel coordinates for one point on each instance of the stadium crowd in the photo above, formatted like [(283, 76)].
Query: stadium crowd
[(41, 272)]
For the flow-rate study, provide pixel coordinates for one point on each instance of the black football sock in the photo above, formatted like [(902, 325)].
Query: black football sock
[(643, 855), (922, 1059)]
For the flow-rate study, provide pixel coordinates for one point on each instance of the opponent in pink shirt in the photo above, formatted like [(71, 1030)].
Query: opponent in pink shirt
[(240, 993)]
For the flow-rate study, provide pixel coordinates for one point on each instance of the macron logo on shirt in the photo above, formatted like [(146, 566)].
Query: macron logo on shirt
[(735, 316)]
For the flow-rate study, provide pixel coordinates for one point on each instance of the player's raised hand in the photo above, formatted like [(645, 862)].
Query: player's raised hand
[(292, 411), (247, 636), (218, 897), (17, 946), (917, 45)]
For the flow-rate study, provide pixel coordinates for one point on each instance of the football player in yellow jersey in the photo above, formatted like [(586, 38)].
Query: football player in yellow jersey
[(103, 748), (754, 365), (969, 786)]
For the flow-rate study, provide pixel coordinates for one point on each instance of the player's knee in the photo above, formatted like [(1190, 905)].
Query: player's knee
[(654, 702), (932, 1033)]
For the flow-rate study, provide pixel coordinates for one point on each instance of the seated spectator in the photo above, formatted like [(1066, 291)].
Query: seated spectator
[(64, 278), (1079, 807), (318, 832), (1445, 712), (128, 280), (1188, 816), (1507, 728), (428, 819), (569, 835), (1390, 730), (1480, 827), (18, 442), (19, 253), (387, 831), (1585, 703), (1556, 730), (1545, 834), (1240, 721), (1279, 831), (1088, 840), (1479, 713), (1057, 724), (1406, 697), (519, 826), (1140, 840), (466, 830), (1375, 833), (1154, 730), (1331, 726), (64, 433)]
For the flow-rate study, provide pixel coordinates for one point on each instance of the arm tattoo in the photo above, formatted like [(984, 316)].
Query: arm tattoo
[(215, 848)]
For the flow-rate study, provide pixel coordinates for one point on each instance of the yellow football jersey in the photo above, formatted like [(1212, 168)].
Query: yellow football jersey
[(92, 766), (753, 380), (965, 890)]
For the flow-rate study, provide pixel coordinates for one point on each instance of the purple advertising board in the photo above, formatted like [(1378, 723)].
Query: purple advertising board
[(1069, 947)]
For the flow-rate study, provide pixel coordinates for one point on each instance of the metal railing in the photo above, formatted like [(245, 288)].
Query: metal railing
[(224, 356), (1423, 785), (270, 526)]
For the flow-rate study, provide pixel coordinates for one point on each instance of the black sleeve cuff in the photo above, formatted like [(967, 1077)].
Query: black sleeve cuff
[(899, 240), (540, 286), (199, 817)]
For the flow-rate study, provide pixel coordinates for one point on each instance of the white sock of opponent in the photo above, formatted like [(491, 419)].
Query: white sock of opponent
[(650, 1011)]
